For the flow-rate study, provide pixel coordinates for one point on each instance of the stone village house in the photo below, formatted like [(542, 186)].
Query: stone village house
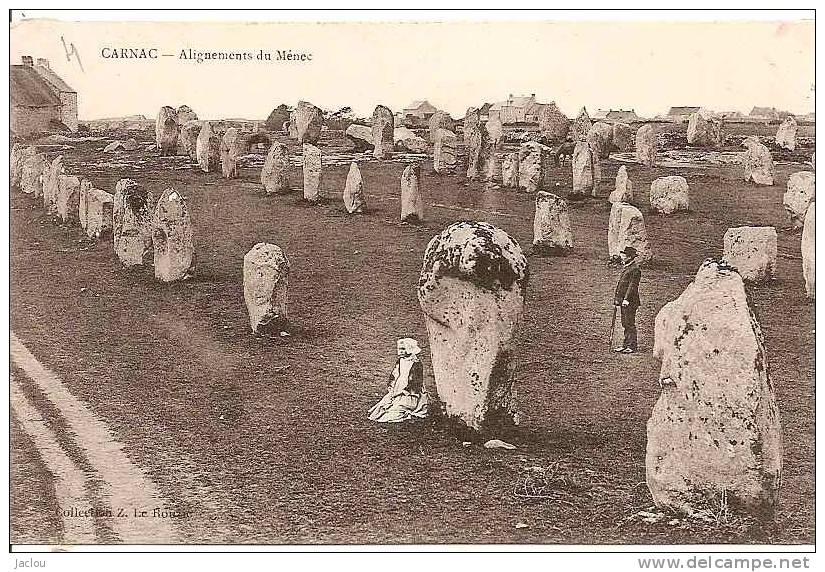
[(40, 101)]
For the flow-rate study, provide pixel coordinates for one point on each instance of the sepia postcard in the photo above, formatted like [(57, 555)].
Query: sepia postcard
[(410, 281)]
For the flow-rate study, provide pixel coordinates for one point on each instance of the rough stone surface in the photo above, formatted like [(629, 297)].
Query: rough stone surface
[(714, 437), (553, 124), (478, 150), (492, 168), (704, 130), (626, 227), (439, 120), (132, 223), (265, 287), (95, 210), (312, 170), (383, 131), (751, 250), (308, 122), (445, 154), (669, 195), (407, 141), (68, 197), (801, 192), (757, 162), (233, 145), (471, 290), (188, 139), (172, 238), (360, 137), (184, 113), (531, 162), (509, 170), (354, 200), (275, 171), (623, 193), (412, 204), (581, 125), (600, 138), (646, 145), (208, 149), (471, 120), (786, 134), (495, 132), (51, 183), (809, 251), (623, 137), (583, 181), (31, 174), (551, 225), (166, 131), (17, 157)]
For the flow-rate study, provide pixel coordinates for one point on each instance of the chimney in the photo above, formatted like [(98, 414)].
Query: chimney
[(43, 62), (27, 61)]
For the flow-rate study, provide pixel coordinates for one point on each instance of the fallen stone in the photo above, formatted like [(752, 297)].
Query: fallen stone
[(312, 170), (646, 144), (445, 154), (412, 205), (383, 130), (786, 134), (265, 287), (499, 444), (360, 136), (408, 142), (757, 162), (809, 251), (751, 250), (132, 211), (626, 227), (801, 192), (354, 200), (714, 437), (68, 197), (471, 290), (166, 131), (172, 238), (308, 122), (509, 170), (208, 149), (551, 226), (669, 195), (275, 171), (95, 210)]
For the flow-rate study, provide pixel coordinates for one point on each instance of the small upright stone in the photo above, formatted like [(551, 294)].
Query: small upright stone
[(492, 167), (51, 185), (471, 120), (809, 251), (786, 134), (751, 250), (445, 155), (471, 290), (704, 129), (439, 120), (509, 170), (265, 286), (132, 223), (582, 125), (208, 149), (412, 205), (626, 227), (312, 168), (551, 226), (478, 149), (95, 210), (757, 162), (68, 197), (495, 132), (31, 175), (801, 192), (623, 192), (232, 147), (166, 131), (714, 437), (354, 200), (582, 163), (669, 195), (623, 137), (308, 122), (275, 172), (16, 157), (646, 143), (383, 132), (188, 139), (531, 162), (172, 238)]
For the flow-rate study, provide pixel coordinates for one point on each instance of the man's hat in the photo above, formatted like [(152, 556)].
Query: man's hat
[(629, 251)]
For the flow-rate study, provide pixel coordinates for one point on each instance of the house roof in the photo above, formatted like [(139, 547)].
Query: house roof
[(54, 79), (682, 110), (418, 103), (535, 108), (764, 111), (29, 89)]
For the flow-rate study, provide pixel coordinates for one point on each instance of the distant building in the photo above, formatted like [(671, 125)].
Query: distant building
[(421, 109), (768, 113), (615, 115), (40, 100), (682, 113), (514, 109)]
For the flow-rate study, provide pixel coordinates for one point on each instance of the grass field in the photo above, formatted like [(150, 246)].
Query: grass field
[(268, 441)]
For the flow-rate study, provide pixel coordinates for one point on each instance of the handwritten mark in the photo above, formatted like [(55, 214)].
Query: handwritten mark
[(72, 51)]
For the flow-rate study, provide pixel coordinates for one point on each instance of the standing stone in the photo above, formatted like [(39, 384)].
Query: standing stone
[(583, 181), (757, 162), (188, 139), (581, 126), (492, 167), (184, 113), (509, 171), (622, 137), (95, 210), (132, 223), (166, 131), (51, 184), (407, 141), (19, 156), (439, 120), (551, 226), (354, 200), (265, 286), (495, 132), (704, 130), (626, 227), (801, 192), (233, 145), (531, 161), (669, 195), (31, 175), (714, 437), (751, 250), (445, 154), (412, 205), (68, 197), (623, 192), (312, 173), (809, 251), (172, 238), (646, 143), (471, 120), (553, 124), (477, 151), (275, 172), (471, 290), (600, 138), (308, 122), (208, 149), (383, 132), (786, 134)]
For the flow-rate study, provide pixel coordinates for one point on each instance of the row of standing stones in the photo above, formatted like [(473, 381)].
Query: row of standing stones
[(710, 436)]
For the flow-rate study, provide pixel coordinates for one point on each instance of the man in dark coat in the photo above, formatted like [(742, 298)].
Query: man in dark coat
[(627, 298)]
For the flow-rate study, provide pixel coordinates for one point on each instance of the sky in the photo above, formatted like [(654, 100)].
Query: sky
[(646, 66)]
